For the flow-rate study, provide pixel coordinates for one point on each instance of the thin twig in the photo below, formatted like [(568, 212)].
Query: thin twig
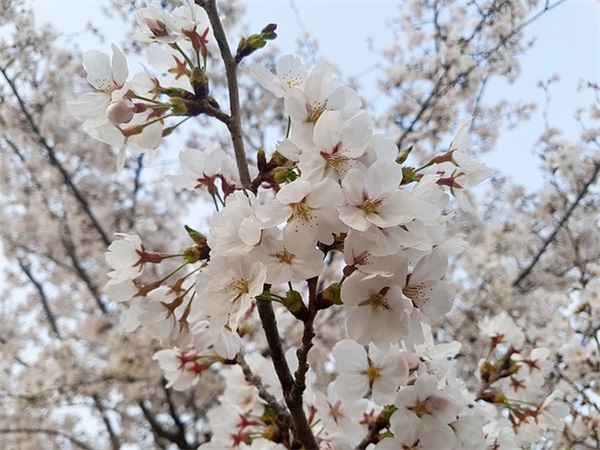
[(59, 433), (255, 380), (50, 150), (307, 340), (114, 439), (81, 272), (546, 243), (26, 268)]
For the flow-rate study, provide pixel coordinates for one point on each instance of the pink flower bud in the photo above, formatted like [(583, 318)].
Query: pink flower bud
[(120, 112)]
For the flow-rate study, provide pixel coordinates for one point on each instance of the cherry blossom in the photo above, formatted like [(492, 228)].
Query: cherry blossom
[(108, 77), (373, 198), (233, 282), (378, 310), (127, 257), (290, 72), (309, 211), (338, 145), (378, 371)]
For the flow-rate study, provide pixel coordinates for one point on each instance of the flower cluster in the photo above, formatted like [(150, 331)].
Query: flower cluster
[(131, 113), (335, 218)]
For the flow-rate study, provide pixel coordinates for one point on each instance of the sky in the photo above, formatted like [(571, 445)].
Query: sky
[(567, 44)]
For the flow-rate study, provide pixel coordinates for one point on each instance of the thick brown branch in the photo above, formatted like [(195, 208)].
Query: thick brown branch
[(234, 122), (301, 425)]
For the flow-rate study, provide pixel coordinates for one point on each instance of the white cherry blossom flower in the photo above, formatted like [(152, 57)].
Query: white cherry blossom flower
[(216, 335), (433, 408), (233, 281), (341, 417), (309, 211), (108, 77), (320, 93), (200, 168), (172, 66), (289, 72), (136, 136), (285, 262), (127, 257), (338, 145), (411, 434), (503, 330), (230, 425), (378, 310), (423, 286), (374, 198), (379, 372), (155, 25), (182, 370), (235, 228)]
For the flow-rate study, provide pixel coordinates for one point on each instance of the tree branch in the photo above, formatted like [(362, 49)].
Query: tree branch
[(307, 341), (301, 425), (26, 268), (545, 244), (67, 179), (174, 415), (114, 439), (72, 253), (161, 432), (234, 123), (250, 377), (62, 434)]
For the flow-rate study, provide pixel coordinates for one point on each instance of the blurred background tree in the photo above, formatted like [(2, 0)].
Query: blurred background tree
[(70, 377)]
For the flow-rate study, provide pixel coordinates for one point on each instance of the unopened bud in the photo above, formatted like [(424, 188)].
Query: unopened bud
[(191, 254), (329, 297), (199, 82), (294, 303), (132, 131), (249, 45), (196, 236), (121, 111), (403, 155), (493, 396), (261, 160)]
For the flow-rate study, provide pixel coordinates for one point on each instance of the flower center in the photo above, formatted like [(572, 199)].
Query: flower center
[(240, 286), (301, 211), (315, 110), (370, 206), (285, 257), (416, 293), (377, 301)]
